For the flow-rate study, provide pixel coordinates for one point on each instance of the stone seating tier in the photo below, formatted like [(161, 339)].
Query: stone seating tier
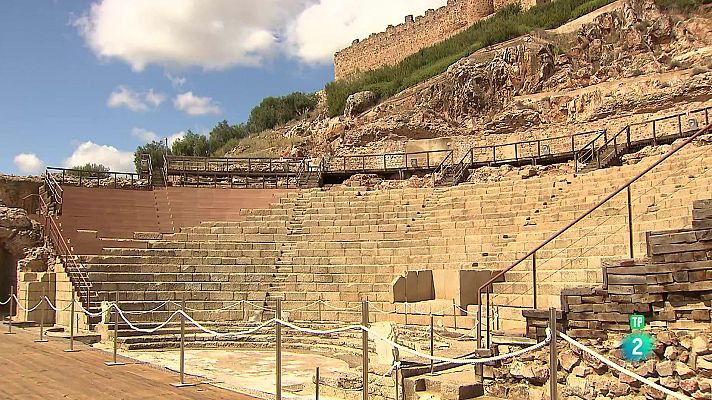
[(343, 244)]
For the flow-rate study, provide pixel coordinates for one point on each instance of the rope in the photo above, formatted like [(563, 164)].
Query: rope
[(27, 309), (53, 307), (2, 303), (621, 369), (316, 332), (464, 361), (231, 306), (342, 309)]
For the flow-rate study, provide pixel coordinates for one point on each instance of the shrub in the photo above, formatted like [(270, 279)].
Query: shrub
[(506, 24), (90, 170)]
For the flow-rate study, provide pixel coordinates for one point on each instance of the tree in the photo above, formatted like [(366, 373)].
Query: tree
[(155, 149), (191, 144), (91, 169), (223, 132), (273, 111)]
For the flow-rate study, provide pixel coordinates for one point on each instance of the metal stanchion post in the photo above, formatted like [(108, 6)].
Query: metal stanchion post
[(320, 300), (454, 313), (116, 333), (432, 344), (278, 334), (396, 358), (553, 357), (12, 308), (43, 311), (364, 348), (630, 222), (406, 313), (182, 349), (71, 325), (318, 378)]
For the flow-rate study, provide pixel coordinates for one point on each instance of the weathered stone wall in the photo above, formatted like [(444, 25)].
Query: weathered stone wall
[(15, 189), (398, 42)]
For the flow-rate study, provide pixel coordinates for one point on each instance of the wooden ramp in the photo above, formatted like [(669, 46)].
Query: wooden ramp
[(44, 371)]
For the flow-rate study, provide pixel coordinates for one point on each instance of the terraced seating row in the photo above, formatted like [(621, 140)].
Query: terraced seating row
[(341, 245)]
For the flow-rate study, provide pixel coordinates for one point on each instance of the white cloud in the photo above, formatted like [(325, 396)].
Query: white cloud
[(147, 136), (214, 34), (174, 137), (176, 81), (219, 34), (196, 105), (135, 101), (109, 156), (29, 163), (144, 135), (330, 25)]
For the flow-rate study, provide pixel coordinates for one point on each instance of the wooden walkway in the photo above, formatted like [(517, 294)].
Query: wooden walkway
[(30, 370)]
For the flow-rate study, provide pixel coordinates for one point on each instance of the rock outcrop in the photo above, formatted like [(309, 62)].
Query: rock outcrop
[(18, 232)]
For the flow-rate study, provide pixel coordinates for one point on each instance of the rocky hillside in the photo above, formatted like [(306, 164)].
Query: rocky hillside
[(630, 61)]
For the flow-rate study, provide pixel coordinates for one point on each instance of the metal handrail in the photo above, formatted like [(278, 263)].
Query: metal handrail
[(74, 270), (55, 190), (532, 252), (90, 176)]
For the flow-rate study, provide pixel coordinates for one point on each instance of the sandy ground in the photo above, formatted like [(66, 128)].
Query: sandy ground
[(247, 371)]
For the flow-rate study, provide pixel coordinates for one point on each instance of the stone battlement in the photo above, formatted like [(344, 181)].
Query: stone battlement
[(416, 33)]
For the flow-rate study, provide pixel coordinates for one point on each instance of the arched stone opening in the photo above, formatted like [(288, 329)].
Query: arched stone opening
[(8, 276)]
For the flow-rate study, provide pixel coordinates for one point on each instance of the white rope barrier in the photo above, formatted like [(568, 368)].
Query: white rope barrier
[(621, 369), (27, 309), (316, 332), (53, 307), (358, 307), (87, 312), (2, 303), (463, 361)]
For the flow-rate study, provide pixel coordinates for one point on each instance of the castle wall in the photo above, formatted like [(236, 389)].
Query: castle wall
[(398, 42)]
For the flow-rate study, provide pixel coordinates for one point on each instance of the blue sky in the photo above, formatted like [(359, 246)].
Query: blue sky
[(85, 81)]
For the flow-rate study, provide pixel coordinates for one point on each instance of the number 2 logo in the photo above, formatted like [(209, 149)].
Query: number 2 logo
[(638, 344)]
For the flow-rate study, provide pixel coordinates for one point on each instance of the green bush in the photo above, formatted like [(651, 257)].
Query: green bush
[(273, 111), (90, 170), (506, 24), (191, 144)]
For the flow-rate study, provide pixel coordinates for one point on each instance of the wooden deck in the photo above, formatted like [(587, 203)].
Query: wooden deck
[(30, 370)]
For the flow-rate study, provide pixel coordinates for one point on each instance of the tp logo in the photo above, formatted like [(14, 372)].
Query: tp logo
[(637, 346)]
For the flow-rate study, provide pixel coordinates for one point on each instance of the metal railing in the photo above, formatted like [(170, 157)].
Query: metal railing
[(74, 270), (108, 179), (178, 164), (488, 285), (388, 162), (604, 150), (55, 192)]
